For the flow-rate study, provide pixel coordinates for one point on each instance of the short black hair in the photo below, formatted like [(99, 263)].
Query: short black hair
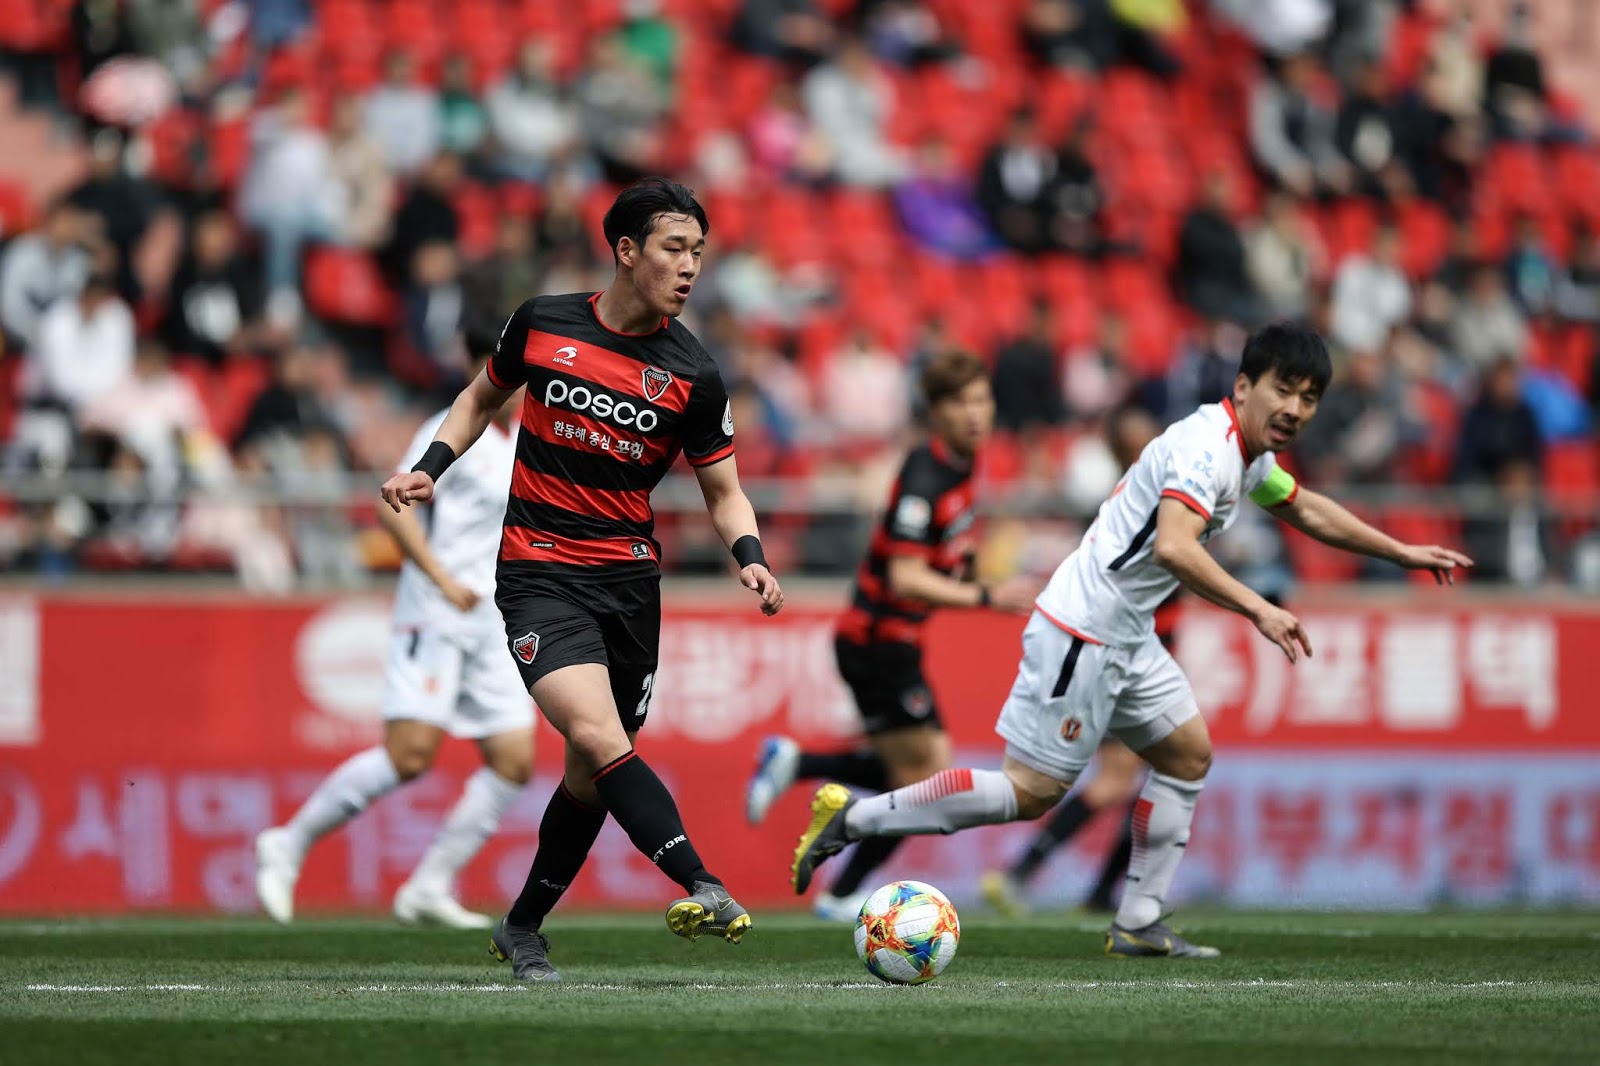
[(482, 337), (634, 212), (1294, 352)]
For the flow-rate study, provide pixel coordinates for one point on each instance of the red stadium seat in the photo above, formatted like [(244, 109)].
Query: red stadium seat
[(346, 286), (1424, 237), (1572, 471), (479, 212)]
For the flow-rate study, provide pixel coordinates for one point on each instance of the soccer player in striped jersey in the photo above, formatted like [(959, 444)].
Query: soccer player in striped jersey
[(920, 559), (617, 388), (1091, 662)]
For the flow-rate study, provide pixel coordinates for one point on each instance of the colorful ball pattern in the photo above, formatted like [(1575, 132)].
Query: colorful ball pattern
[(907, 932)]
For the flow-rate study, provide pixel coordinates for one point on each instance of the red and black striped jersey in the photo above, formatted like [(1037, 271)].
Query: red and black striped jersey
[(605, 415), (931, 516)]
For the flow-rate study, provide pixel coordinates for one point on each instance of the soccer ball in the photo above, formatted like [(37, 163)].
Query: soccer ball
[(906, 933)]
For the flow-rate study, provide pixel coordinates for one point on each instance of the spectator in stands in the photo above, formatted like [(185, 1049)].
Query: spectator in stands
[(851, 101), (427, 214), (905, 32), (1205, 369), (792, 31), (153, 411), (1015, 185), (126, 206), (1095, 375), (463, 122), (495, 285), (937, 207), (784, 145), (1072, 34), (864, 399), (1076, 198), (1210, 269), (1578, 284), (291, 195), (649, 41), (365, 186), (215, 298), (1360, 425), (1027, 386), (1499, 428), (1513, 543), (402, 116), (533, 118), (1371, 294), (1284, 258), (1514, 85), (1367, 137), (433, 305), (40, 267), (1531, 269), (1279, 27), (622, 108), (84, 349), (1292, 129), (1486, 326)]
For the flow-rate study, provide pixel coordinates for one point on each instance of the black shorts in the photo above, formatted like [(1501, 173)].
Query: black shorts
[(887, 683), (616, 624)]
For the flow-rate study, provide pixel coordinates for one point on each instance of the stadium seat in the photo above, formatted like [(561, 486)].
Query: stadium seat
[(1424, 236), (346, 286), (1572, 471)]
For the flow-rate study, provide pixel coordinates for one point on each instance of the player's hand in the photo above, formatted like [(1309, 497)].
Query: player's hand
[(461, 598), (403, 490), (759, 579), (1442, 561), (1015, 595), (1284, 630)]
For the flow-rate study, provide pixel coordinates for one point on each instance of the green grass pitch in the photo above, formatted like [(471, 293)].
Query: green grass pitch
[(1292, 988)]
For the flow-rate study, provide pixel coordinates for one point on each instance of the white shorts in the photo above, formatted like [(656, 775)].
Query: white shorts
[(1070, 693), (466, 685)]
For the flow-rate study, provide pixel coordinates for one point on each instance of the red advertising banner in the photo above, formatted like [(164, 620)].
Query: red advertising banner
[(143, 744)]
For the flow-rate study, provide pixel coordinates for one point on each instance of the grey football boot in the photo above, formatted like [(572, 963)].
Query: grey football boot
[(709, 909), (1155, 940), (527, 950)]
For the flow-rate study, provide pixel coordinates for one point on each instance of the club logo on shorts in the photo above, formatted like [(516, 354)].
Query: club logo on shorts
[(656, 383), (525, 648), (917, 702)]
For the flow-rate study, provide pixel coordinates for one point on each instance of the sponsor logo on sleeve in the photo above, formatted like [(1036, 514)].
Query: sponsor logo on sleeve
[(912, 515), (727, 418)]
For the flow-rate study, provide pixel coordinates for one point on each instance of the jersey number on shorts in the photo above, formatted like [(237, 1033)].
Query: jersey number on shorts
[(644, 700)]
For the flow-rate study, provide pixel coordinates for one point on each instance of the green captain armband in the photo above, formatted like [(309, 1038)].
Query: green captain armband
[(1279, 488)]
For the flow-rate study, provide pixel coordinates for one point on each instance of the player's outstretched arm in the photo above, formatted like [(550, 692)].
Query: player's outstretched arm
[(469, 416), (408, 534), (913, 577), (1325, 519), (735, 522), (1178, 550)]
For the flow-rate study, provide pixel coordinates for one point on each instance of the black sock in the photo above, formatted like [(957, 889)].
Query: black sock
[(644, 808), (1113, 871), (860, 768), (566, 834), (1067, 820), (870, 854)]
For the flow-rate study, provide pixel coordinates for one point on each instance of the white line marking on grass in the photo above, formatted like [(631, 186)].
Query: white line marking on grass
[(127, 988)]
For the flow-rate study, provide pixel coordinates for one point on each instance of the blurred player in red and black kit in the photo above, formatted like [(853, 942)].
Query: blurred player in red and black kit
[(616, 389), (920, 558)]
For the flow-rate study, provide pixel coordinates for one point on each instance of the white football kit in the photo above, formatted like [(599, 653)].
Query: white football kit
[(448, 667), (1091, 662)]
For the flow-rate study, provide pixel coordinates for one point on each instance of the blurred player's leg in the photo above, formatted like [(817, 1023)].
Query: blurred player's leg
[(1102, 896), (429, 894), (407, 751), (782, 762)]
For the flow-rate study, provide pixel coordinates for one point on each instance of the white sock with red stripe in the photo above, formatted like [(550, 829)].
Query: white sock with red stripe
[(1161, 821), (474, 819), (947, 801)]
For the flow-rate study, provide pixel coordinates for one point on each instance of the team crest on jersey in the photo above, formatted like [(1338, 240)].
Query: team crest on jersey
[(525, 648), (656, 383)]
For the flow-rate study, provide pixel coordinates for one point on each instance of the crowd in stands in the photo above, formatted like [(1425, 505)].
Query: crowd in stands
[(280, 216)]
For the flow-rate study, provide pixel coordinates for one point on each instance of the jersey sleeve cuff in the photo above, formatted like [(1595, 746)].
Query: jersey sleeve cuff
[(494, 377), (715, 457), (1188, 501)]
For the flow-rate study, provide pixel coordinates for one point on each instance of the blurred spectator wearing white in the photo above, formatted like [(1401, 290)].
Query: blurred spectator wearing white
[(402, 116), (1371, 294), (1292, 129), (1094, 376), (1279, 27), (622, 107), (214, 300), (851, 101), (41, 267), (366, 188), (532, 118), (865, 397), (1284, 258), (290, 194), (1487, 327), (153, 411)]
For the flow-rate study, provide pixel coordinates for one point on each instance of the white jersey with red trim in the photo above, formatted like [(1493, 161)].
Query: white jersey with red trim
[(462, 523), (1108, 590)]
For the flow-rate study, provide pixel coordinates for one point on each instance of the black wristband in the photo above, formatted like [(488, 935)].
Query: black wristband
[(983, 595), (747, 550), (436, 460)]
